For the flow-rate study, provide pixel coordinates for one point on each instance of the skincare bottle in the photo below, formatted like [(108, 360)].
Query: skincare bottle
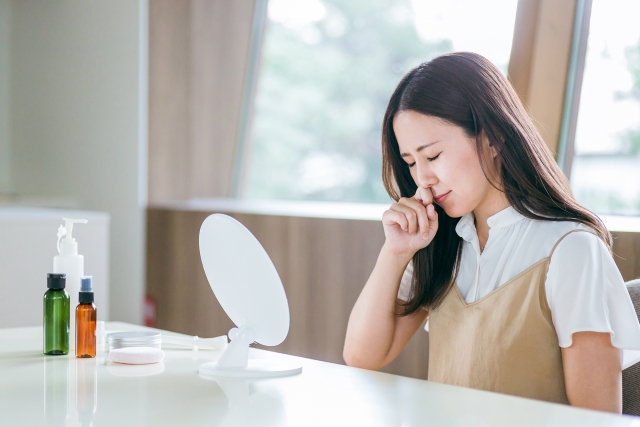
[(86, 320), (56, 316), (70, 263)]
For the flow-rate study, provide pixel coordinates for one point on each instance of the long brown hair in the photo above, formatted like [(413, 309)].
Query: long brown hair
[(467, 90)]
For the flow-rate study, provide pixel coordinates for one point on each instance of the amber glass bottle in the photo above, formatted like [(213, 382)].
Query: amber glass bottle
[(86, 321)]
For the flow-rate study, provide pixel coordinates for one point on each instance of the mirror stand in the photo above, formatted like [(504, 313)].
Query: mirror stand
[(235, 363), (237, 353)]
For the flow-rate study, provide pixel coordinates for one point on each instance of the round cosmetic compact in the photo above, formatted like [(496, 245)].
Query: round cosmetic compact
[(127, 339), (136, 355)]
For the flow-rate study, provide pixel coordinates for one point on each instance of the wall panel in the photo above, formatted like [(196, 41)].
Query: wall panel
[(626, 253)]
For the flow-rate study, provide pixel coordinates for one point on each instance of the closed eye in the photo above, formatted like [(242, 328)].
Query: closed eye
[(431, 159), (411, 164)]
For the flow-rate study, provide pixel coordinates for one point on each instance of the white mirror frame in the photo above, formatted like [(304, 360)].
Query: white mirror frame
[(247, 285)]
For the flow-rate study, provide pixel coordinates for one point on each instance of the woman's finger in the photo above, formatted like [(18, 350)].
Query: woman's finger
[(433, 218), (424, 196), (410, 214), (421, 214), (391, 217)]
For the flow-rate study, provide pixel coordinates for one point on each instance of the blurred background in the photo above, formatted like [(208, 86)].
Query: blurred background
[(148, 115)]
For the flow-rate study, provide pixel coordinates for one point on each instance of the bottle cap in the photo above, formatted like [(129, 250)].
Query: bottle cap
[(56, 281), (85, 297)]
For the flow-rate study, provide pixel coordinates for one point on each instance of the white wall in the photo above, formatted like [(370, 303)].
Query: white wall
[(78, 121)]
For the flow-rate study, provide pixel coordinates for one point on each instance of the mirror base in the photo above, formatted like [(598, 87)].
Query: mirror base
[(256, 368)]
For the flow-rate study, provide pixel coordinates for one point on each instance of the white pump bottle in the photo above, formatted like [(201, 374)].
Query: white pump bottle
[(70, 263)]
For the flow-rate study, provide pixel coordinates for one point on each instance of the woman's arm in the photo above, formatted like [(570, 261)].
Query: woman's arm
[(375, 335), (593, 372)]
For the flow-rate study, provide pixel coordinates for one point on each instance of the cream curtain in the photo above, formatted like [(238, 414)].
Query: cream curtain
[(198, 57)]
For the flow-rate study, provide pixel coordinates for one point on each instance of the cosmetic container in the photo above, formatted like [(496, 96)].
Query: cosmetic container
[(117, 340), (56, 316), (86, 320)]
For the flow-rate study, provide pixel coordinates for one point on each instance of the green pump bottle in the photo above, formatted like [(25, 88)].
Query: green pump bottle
[(56, 316)]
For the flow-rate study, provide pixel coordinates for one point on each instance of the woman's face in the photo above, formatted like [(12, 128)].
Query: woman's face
[(443, 162)]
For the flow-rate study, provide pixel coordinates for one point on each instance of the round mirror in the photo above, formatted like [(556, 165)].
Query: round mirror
[(243, 279)]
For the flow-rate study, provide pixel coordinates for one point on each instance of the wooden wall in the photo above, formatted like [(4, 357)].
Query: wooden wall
[(626, 253), (323, 264)]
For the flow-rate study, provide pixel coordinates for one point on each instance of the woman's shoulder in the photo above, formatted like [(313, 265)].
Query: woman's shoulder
[(550, 236), (570, 241), (553, 231), (559, 226)]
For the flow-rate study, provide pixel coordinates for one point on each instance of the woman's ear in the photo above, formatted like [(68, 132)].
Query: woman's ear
[(492, 148), (494, 152), (490, 160)]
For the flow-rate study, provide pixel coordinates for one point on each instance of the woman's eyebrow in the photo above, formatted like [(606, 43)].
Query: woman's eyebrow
[(419, 149)]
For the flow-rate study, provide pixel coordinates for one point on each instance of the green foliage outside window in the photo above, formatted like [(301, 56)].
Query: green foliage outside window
[(631, 137), (605, 173)]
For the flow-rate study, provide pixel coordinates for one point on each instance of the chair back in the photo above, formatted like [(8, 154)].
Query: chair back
[(631, 375)]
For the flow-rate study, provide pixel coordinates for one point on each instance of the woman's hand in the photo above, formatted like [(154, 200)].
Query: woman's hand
[(410, 224)]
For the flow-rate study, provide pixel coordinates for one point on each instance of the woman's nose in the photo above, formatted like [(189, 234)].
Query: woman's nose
[(426, 178)]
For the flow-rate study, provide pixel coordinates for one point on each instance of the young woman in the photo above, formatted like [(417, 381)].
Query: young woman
[(485, 240)]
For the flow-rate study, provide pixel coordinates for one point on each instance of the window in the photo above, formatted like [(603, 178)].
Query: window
[(328, 69), (605, 175)]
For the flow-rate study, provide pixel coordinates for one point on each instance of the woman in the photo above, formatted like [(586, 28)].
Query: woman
[(487, 242)]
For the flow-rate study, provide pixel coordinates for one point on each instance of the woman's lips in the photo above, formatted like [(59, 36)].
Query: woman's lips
[(441, 198)]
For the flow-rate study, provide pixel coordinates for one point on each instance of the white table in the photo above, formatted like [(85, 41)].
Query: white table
[(38, 390)]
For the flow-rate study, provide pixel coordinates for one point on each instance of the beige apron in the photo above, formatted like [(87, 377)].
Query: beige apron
[(504, 342)]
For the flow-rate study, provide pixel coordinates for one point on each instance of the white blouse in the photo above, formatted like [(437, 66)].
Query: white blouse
[(584, 288)]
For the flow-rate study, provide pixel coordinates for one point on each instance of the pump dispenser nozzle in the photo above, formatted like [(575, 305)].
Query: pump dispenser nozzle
[(69, 245), (86, 284), (86, 290)]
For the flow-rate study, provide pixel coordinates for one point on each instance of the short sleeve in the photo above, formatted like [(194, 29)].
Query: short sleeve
[(586, 292), (405, 283)]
